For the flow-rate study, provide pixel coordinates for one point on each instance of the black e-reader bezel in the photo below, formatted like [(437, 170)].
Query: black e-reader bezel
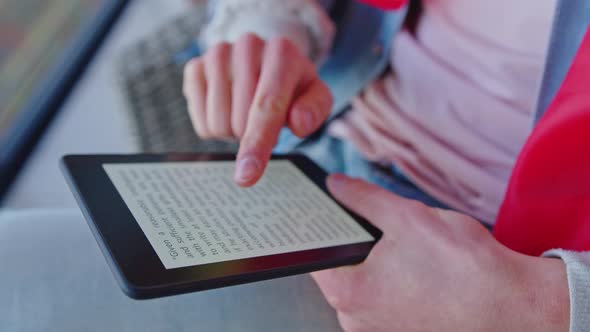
[(134, 262)]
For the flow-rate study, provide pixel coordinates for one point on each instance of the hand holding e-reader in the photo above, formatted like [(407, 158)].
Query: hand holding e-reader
[(171, 224)]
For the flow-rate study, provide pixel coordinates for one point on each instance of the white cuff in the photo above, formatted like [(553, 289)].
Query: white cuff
[(302, 21), (578, 277)]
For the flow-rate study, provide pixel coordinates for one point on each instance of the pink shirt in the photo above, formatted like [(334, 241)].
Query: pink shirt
[(457, 106)]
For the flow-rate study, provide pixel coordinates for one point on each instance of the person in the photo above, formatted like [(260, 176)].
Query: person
[(444, 125)]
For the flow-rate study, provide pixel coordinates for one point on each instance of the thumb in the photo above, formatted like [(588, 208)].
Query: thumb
[(367, 200)]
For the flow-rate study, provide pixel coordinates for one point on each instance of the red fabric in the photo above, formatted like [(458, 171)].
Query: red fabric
[(386, 4), (547, 204)]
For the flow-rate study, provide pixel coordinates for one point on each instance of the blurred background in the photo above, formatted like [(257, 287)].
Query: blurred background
[(104, 76), (90, 76)]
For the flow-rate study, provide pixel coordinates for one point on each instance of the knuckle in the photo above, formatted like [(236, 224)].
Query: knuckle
[(217, 55), (248, 39), (220, 48), (415, 210), (255, 140), (283, 47), (271, 103), (367, 196), (416, 206), (238, 129)]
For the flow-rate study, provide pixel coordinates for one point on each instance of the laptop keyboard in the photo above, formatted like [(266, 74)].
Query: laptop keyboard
[(151, 77)]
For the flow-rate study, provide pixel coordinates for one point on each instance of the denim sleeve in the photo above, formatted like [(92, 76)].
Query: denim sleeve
[(569, 27), (578, 276)]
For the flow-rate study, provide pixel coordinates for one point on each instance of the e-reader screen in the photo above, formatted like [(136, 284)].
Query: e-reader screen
[(193, 213)]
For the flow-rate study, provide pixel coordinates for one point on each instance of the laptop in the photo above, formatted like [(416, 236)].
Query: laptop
[(150, 74)]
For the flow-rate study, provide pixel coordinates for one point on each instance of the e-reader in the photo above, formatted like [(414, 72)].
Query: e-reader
[(177, 223)]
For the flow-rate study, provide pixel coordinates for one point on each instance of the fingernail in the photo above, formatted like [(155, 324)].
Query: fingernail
[(307, 120), (247, 169)]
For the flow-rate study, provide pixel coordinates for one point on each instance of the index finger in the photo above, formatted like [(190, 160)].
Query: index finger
[(283, 71)]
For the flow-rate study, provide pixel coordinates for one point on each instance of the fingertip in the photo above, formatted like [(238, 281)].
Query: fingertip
[(361, 197), (310, 109), (238, 130), (248, 170), (247, 184), (337, 183), (302, 121)]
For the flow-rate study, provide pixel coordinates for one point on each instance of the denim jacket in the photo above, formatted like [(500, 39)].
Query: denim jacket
[(359, 55)]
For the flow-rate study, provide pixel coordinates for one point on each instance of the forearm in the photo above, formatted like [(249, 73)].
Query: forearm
[(304, 22)]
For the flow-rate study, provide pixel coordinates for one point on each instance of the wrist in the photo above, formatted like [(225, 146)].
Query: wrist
[(545, 302)]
